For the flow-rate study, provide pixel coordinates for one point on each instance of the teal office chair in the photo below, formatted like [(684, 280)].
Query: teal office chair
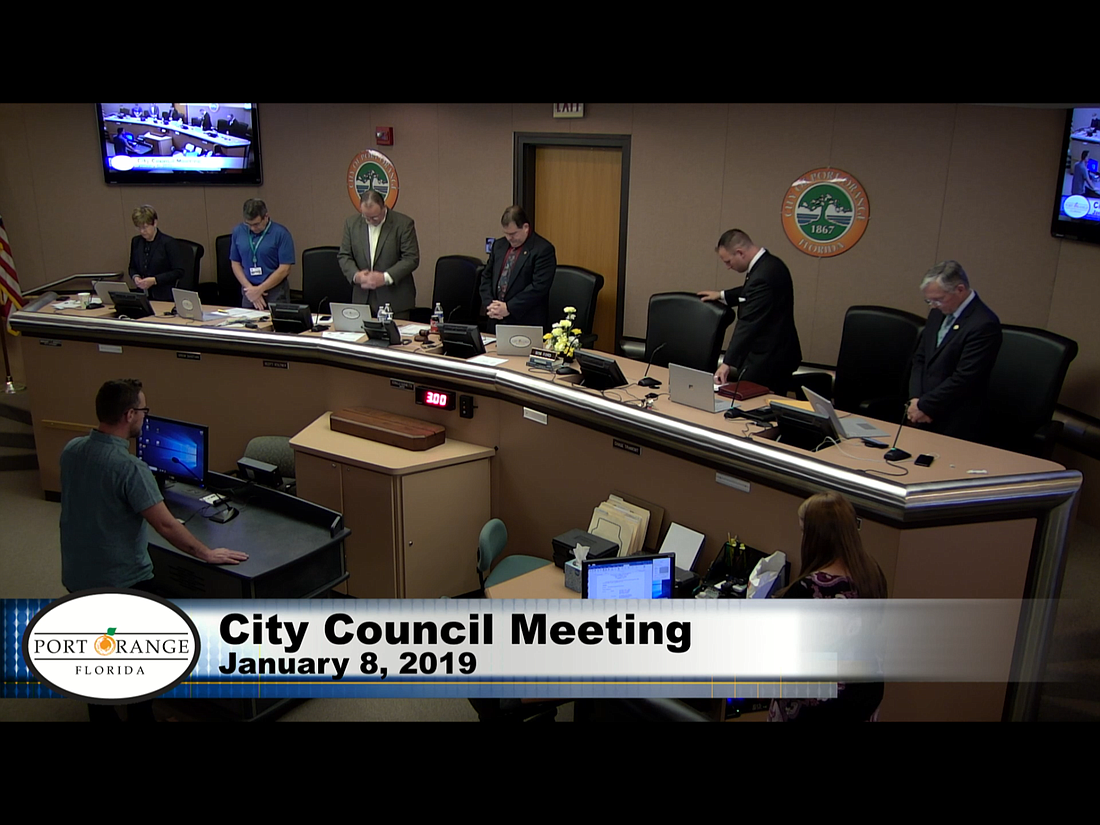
[(491, 543)]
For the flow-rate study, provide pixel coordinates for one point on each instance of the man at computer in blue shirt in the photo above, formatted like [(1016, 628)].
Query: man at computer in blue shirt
[(107, 497)]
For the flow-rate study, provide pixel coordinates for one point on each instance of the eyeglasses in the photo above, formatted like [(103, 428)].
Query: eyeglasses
[(140, 409)]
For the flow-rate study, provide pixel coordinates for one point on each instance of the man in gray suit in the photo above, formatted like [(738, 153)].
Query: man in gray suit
[(378, 256)]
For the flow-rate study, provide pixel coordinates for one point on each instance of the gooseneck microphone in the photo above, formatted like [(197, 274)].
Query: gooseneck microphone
[(894, 454), (646, 380)]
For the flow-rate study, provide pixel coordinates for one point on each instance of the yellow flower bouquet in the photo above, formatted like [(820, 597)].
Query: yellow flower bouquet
[(562, 338)]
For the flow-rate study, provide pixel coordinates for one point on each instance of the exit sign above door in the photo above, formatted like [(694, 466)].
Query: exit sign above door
[(568, 110)]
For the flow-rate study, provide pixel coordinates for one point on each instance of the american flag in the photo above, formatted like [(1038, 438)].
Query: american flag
[(9, 281)]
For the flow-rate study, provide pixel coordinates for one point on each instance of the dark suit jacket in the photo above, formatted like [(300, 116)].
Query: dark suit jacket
[(950, 380), (206, 122), (167, 263), (528, 293), (398, 254), (765, 343)]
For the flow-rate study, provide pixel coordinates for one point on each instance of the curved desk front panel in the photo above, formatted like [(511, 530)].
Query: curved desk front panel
[(937, 532)]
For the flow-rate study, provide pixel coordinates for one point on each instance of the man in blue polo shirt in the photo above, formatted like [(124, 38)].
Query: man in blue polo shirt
[(261, 253)]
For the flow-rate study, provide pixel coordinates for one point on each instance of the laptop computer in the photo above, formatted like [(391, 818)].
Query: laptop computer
[(349, 317), (517, 340), (103, 290), (188, 305), (849, 426), (695, 388)]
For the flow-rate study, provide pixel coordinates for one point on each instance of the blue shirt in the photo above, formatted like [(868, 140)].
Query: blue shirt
[(104, 490), (276, 249)]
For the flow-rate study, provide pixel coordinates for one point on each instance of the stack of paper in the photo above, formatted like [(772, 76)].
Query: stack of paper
[(685, 543), (621, 522)]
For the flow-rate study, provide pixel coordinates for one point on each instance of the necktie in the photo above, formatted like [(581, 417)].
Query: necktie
[(944, 327), (509, 262)]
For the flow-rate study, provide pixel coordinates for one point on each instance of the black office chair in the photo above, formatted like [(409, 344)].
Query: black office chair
[(223, 125), (322, 280), (577, 287), (872, 369), (681, 329), (229, 290), (455, 289), (193, 251), (1024, 388)]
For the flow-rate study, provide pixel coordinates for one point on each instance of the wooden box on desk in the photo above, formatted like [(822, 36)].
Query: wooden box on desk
[(388, 428)]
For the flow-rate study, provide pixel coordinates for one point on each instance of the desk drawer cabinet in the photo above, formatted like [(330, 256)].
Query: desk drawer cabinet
[(414, 517)]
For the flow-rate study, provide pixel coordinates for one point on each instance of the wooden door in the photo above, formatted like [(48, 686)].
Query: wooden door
[(577, 202)]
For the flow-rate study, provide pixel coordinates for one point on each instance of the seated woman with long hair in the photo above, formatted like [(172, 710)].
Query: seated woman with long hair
[(834, 566)]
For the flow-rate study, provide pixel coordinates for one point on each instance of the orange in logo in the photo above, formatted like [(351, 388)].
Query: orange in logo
[(105, 645)]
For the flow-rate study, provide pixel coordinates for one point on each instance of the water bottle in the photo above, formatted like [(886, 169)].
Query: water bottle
[(385, 314), (437, 318)]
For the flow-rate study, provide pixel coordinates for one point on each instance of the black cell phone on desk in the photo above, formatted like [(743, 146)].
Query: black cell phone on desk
[(924, 460), (872, 442)]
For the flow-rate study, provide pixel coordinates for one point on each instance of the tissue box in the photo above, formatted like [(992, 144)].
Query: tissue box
[(564, 544), (573, 575)]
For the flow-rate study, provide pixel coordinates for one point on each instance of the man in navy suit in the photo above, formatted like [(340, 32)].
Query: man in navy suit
[(954, 357), (764, 346), (515, 284)]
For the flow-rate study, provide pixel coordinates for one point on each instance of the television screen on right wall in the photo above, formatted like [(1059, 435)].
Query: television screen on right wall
[(1077, 194)]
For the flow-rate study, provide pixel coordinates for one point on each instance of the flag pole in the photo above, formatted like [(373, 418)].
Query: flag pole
[(10, 387)]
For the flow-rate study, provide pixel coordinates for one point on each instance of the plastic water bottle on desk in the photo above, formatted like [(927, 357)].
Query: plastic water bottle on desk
[(385, 314), (437, 319)]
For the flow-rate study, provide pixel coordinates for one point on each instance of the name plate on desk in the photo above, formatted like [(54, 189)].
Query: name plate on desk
[(388, 428)]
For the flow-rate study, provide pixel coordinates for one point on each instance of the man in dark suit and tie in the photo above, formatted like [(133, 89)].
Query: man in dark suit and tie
[(378, 256), (515, 284), (764, 346), (955, 355)]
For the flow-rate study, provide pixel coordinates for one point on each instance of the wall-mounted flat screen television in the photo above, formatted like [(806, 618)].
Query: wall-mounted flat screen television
[(1077, 193), (172, 143)]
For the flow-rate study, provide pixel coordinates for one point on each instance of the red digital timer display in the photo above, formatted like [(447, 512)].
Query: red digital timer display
[(442, 399)]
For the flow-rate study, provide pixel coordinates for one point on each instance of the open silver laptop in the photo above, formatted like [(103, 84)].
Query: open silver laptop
[(103, 290), (850, 426), (349, 317), (695, 388), (517, 340), (188, 305)]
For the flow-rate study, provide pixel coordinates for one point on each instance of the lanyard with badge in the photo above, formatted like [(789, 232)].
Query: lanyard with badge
[(256, 271)]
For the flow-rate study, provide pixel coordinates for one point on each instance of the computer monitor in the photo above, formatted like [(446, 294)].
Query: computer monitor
[(174, 449), (803, 429), (461, 340), (599, 372), (642, 576), (132, 304), (381, 334), (291, 318)]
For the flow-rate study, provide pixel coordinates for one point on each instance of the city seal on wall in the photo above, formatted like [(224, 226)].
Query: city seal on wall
[(370, 169), (825, 212)]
